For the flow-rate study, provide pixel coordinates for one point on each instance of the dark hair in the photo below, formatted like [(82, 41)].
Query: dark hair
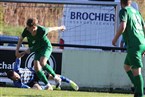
[(125, 1), (31, 22), (10, 73)]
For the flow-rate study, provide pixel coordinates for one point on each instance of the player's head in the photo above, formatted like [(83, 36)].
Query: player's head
[(11, 74), (125, 2), (32, 24)]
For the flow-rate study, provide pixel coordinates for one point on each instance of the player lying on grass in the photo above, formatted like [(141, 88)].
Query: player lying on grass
[(26, 77)]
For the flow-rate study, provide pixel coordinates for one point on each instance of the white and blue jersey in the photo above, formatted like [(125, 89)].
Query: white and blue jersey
[(26, 75)]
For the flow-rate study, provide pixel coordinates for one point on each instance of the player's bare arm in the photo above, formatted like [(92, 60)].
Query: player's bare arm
[(18, 55), (119, 32), (61, 28)]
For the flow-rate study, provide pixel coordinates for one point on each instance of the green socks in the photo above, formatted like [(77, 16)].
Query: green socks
[(137, 82), (42, 76), (139, 85), (49, 69), (130, 74)]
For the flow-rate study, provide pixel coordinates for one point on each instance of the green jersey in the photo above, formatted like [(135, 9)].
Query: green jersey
[(134, 32), (39, 41)]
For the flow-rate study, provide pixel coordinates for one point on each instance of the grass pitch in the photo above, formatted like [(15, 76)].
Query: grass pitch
[(17, 92)]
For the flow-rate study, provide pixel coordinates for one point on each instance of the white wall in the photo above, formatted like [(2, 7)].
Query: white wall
[(95, 69)]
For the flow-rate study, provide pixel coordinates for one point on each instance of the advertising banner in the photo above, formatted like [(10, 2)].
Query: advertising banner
[(89, 24)]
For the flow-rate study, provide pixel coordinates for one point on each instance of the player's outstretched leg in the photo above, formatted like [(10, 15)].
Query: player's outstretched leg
[(72, 83)]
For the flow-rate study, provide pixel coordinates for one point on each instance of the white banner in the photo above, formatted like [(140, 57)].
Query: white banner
[(89, 25)]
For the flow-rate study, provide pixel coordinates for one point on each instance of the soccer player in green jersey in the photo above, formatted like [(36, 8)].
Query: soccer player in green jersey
[(132, 29), (39, 43)]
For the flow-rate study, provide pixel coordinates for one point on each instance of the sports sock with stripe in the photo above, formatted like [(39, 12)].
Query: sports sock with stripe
[(65, 79)]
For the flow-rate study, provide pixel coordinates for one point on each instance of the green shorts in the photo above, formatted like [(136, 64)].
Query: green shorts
[(134, 57), (44, 52)]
